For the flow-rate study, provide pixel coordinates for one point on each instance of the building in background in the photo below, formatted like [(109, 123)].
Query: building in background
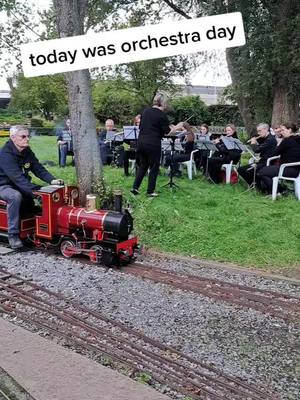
[(4, 98), (211, 95)]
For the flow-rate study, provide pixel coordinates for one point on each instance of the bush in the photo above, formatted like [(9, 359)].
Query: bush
[(11, 118), (221, 114), (187, 106), (36, 122), (113, 102)]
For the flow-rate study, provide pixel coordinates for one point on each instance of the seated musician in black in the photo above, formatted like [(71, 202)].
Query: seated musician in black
[(263, 144), (130, 149), (105, 149), (289, 152), (188, 146), (223, 155)]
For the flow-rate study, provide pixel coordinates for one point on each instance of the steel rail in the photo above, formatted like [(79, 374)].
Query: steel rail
[(225, 291), (150, 355), (85, 310)]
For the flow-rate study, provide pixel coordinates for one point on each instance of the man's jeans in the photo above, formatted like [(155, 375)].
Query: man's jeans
[(13, 199), (63, 151)]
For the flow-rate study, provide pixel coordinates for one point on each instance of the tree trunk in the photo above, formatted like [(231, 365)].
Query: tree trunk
[(70, 22), (285, 106), (9, 81), (242, 101)]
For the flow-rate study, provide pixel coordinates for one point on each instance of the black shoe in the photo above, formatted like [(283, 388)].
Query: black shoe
[(15, 242), (134, 191)]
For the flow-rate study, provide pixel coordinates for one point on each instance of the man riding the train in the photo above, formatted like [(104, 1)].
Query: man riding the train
[(16, 161)]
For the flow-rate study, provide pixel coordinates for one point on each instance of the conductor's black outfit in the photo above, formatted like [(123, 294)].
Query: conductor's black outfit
[(266, 148), (153, 127), (220, 157)]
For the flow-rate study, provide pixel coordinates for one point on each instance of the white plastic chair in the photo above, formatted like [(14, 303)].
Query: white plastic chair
[(190, 164), (228, 168), (280, 176), (271, 159)]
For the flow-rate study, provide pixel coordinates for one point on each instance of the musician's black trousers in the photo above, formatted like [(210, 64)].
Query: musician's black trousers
[(214, 168), (266, 175), (128, 155), (149, 157)]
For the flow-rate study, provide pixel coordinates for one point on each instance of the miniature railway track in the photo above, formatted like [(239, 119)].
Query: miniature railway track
[(88, 329), (269, 302)]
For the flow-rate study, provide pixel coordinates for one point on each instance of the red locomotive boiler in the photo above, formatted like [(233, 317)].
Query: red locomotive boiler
[(103, 235)]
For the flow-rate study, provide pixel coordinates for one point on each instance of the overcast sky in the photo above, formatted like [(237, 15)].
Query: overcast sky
[(208, 75)]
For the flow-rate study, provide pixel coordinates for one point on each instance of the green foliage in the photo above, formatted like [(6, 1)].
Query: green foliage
[(105, 195), (187, 106), (11, 118), (110, 101), (268, 63), (143, 377), (36, 122), (221, 114), (46, 95)]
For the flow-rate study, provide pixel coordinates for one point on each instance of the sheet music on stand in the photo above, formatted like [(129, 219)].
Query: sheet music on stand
[(114, 136), (233, 144), (131, 132), (206, 145)]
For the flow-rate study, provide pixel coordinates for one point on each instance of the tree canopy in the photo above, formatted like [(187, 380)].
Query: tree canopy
[(46, 95), (265, 71)]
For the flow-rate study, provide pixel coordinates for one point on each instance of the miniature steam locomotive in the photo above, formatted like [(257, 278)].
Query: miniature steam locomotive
[(103, 235)]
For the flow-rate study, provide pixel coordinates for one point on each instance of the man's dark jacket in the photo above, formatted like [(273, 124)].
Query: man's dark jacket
[(266, 147), (15, 167)]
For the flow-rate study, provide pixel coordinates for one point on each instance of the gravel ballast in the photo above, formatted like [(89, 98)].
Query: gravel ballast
[(243, 343)]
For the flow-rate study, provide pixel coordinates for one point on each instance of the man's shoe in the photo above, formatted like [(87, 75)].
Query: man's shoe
[(152, 194), (134, 191), (15, 242)]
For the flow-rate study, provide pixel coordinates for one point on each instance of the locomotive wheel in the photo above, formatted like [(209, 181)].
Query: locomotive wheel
[(96, 257), (107, 259), (67, 248)]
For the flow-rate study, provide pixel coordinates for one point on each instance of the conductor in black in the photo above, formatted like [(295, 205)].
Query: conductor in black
[(153, 127)]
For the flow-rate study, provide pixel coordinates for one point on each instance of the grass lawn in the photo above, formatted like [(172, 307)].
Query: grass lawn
[(216, 222)]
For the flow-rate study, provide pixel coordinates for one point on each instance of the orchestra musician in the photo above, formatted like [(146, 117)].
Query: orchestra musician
[(153, 127), (188, 146), (263, 144), (202, 160), (289, 152), (223, 155), (130, 149), (105, 149)]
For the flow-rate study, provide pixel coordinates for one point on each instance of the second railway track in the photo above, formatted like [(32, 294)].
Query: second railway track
[(89, 329), (275, 304)]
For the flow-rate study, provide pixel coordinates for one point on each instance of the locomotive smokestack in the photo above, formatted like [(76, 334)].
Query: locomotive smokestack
[(90, 204), (118, 200)]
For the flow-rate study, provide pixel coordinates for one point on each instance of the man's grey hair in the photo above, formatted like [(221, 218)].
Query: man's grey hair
[(263, 125), (160, 100), (17, 128)]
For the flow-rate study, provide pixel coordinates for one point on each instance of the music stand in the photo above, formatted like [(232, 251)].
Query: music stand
[(171, 184), (131, 132), (210, 146)]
